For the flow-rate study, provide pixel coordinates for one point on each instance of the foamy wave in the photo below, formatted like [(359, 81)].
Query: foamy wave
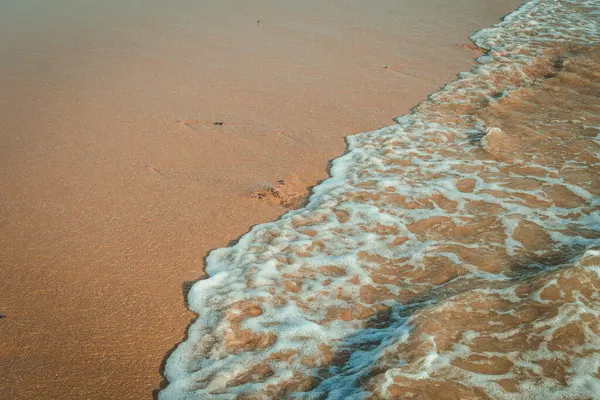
[(379, 286)]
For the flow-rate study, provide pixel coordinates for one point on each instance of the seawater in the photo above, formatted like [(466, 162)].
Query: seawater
[(455, 254)]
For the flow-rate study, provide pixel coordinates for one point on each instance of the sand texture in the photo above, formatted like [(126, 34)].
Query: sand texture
[(455, 255), (136, 137)]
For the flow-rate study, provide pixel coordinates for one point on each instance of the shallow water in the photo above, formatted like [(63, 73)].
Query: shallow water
[(454, 255), (115, 182)]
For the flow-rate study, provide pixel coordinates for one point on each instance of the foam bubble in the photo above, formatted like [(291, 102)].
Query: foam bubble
[(437, 256)]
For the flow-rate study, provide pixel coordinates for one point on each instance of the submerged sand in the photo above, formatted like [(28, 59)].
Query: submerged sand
[(454, 255), (115, 182)]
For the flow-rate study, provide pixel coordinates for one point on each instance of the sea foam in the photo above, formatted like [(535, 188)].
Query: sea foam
[(455, 252)]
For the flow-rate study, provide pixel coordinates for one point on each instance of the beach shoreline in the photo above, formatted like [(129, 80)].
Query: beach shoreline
[(456, 252), (116, 181)]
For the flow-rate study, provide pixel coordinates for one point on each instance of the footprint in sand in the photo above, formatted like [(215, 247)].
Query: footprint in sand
[(291, 192)]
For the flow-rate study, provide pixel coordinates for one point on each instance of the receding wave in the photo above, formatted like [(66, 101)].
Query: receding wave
[(453, 255)]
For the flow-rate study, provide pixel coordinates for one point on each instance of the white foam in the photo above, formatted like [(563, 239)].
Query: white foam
[(253, 271)]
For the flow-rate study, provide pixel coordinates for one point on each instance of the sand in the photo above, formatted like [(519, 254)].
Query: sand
[(115, 182)]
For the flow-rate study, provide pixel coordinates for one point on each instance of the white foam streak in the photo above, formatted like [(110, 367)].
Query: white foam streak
[(265, 309)]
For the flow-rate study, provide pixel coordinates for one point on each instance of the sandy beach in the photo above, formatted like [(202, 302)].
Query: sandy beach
[(134, 139)]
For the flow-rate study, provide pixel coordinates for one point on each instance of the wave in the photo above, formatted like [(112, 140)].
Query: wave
[(455, 253)]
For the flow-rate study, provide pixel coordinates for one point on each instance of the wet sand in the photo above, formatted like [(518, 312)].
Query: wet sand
[(115, 182), (453, 255)]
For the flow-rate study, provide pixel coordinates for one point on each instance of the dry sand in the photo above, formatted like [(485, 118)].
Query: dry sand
[(114, 182)]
